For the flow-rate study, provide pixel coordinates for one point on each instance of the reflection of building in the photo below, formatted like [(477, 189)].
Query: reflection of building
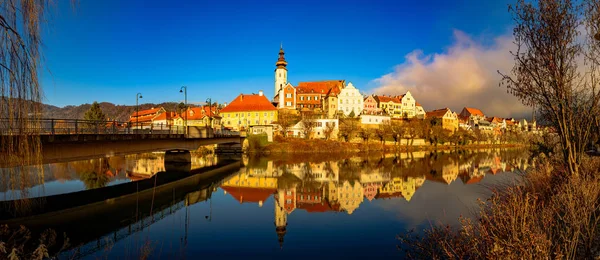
[(146, 167), (371, 183), (350, 196), (246, 188), (401, 187)]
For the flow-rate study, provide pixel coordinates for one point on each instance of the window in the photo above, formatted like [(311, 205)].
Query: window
[(288, 95), (265, 114), (288, 192), (288, 201), (257, 121), (280, 74), (236, 115), (301, 98), (248, 114), (287, 104), (272, 112), (316, 98)]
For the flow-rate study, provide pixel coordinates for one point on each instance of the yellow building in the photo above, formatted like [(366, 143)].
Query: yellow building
[(248, 110), (447, 118)]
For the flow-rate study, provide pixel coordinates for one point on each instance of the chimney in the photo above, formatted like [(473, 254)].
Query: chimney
[(260, 93), (241, 97)]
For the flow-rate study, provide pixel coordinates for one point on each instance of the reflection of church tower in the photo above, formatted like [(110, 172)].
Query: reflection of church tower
[(280, 222), (280, 72)]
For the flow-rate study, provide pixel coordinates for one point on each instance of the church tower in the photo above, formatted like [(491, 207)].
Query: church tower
[(280, 219), (280, 72)]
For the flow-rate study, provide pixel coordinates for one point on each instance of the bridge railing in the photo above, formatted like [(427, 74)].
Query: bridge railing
[(77, 126)]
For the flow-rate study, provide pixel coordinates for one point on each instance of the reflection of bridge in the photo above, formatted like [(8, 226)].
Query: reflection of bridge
[(74, 139), (94, 226)]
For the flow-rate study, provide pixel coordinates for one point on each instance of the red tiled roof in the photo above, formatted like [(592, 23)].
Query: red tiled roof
[(494, 119), (438, 112), (474, 111), (200, 112), (386, 99), (397, 194), (146, 112), (314, 207), (165, 116), (417, 104), (253, 102), (334, 91), (142, 119), (321, 87), (244, 194)]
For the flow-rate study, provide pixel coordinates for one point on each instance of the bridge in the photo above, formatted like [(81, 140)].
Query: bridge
[(72, 139), (94, 219)]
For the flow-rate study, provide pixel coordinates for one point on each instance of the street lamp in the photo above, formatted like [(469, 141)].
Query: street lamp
[(137, 108), (208, 100), (183, 90)]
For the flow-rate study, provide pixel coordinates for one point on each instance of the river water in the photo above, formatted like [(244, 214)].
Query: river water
[(320, 206)]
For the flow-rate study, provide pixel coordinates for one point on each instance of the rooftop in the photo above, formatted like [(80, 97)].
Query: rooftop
[(249, 102)]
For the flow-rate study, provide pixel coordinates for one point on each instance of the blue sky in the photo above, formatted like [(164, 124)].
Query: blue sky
[(109, 50)]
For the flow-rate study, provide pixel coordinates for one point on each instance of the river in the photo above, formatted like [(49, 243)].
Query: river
[(323, 206)]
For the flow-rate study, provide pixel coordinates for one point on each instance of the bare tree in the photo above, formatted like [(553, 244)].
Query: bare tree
[(286, 119), (365, 133), (347, 128), (381, 133), (556, 70), (308, 124), (329, 128), (412, 130)]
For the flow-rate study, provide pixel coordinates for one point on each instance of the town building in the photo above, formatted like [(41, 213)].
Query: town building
[(321, 128), (472, 116), (447, 118), (248, 110), (143, 118), (164, 120), (350, 101), (199, 116), (370, 105), (403, 106), (310, 95), (286, 97), (374, 119)]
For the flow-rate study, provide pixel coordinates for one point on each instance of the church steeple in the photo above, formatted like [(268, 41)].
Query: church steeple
[(280, 71), (281, 63)]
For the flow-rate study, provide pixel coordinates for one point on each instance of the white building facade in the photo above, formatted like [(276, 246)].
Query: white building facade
[(350, 100)]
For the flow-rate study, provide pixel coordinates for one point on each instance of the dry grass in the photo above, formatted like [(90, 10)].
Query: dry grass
[(549, 215)]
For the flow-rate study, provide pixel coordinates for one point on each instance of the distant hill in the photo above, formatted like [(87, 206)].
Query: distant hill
[(116, 112)]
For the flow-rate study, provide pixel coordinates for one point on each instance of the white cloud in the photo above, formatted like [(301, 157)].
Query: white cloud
[(463, 75)]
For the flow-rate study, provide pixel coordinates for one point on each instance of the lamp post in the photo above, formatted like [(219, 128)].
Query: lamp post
[(208, 100), (183, 90), (137, 109)]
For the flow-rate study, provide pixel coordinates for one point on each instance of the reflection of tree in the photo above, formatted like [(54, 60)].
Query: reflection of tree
[(349, 171), (93, 173), (93, 180)]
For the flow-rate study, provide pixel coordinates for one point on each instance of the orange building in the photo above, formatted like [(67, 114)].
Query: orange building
[(311, 95)]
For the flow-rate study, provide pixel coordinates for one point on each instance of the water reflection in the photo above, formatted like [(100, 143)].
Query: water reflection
[(326, 184), (358, 204), (89, 174)]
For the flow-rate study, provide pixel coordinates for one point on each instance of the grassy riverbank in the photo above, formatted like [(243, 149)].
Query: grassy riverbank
[(551, 215), (282, 145)]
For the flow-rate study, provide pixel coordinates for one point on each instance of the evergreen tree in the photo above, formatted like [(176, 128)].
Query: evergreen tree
[(352, 114), (95, 113)]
